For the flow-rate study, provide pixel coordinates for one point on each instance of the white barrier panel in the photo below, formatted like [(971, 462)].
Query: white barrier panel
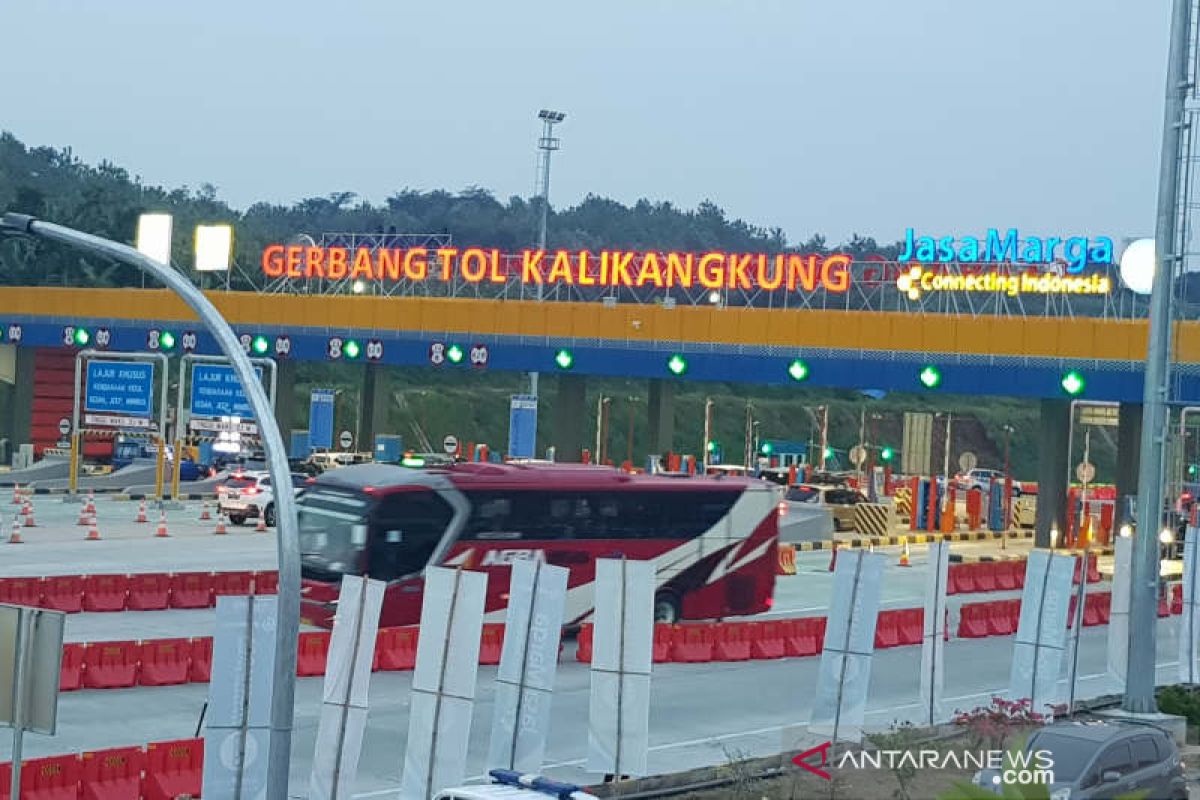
[(933, 642), (1042, 631), (622, 648), (844, 676), (1118, 619), (237, 731), (347, 681), (528, 665), (1188, 623), (443, 688)]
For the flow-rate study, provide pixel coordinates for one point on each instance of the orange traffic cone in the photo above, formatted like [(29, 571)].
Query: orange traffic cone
[(16, 501), (261, 525), (220, 529), (833, 557), (91, 502), (141, 517), (904, 555), (83, 515), (93, 534), (28, 512), (15, 537), (162, 525), (204, 515)]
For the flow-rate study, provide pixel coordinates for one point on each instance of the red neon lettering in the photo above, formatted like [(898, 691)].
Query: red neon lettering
[(293, 256), (272, 261), (804, 269), (561, 271), (337, 263), (416, 266), (314, 262), (389, 263), (620, 268), (584, 278), (496, 276), (362, 264), (737, 271), (835, 273), (447, 254), (776, 279), (823, 749), (650, 271), (712, 278), (474, 265), (531, 266), (680, 271)]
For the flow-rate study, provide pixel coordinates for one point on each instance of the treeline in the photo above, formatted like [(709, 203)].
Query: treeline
[(106, 200)]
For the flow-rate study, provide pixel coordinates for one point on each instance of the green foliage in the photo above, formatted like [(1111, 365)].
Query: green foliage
[(968, 791), (1183, 701), (901, 737)]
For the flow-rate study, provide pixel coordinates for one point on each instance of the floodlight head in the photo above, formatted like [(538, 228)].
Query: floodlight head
[(551, 116)]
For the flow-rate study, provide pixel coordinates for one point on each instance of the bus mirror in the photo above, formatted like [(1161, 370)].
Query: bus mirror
[(358, 535)]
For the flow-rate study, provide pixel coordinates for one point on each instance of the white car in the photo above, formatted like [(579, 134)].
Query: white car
[(510, 785), (982, 479), (249, 494)]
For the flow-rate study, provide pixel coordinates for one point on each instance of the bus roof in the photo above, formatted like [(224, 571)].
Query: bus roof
[(382, 477)]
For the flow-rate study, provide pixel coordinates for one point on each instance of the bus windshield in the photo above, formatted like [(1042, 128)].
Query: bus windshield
[(333, 532)]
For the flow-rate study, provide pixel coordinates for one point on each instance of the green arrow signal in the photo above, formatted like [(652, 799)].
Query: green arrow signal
[(677, 364), (454, 353), (930, 377), (564, 359), (1073, 383), (798, 370)]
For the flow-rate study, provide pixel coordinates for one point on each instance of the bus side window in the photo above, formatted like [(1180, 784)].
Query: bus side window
[(406, 530)]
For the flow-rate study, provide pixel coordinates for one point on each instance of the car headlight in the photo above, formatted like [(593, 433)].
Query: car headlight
[(1061, 794)]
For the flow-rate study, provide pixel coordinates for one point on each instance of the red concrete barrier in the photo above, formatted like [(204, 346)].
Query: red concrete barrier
[(173, 769), (1177, 598), (887, 631), (491, 643), (973, 620), (1093, 574), (767, 639), (803, 637), (396, 649), (112, 774), (911, 625), (236, 584), (962, 578), (63, 593), (583, 644), (110, 665), (70, 677), (21, 591), (105, 592), (1164, 610), (1091, 610), (53, 778), (662, 643), (314, 648), (191, 589), (165, 662), (266, 582), (731, 641), (1008, 574), (985, 576), (1103, 606), (692, 643), (149, 591), (5, 781), (200, 662)]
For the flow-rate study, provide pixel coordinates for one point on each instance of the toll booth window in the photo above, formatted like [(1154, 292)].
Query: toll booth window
[(407, 529)]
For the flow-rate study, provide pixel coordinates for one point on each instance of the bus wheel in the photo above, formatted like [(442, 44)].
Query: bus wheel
[(269, 516), (666, 608)]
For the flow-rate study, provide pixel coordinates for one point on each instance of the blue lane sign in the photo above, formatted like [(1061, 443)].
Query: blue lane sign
[(120, 387), (320, 419), (522, 426), (217, 392)]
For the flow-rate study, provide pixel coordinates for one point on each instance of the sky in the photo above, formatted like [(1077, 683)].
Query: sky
[(948, 116)]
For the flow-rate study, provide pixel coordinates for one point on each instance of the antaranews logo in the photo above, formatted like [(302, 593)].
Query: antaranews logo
[(1009, 767)]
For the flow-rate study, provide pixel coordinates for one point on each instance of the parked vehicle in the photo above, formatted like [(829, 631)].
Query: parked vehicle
[(839, 499), (510, 785), (251, 494), (982, 479), (1097, 759)]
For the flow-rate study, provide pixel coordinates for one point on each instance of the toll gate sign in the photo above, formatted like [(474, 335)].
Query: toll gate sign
[(123, 388), (217, 392)]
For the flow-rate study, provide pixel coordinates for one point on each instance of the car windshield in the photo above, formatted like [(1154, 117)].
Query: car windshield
[(238, 482), (803, 494), (333, 531), (1069, 754)]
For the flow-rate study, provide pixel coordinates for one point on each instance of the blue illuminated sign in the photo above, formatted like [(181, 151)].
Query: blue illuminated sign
[(217, 392), (1077, 251), (320, 419), (120, 387), (522, 426)]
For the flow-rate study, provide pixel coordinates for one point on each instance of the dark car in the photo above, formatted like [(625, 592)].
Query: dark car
[(1098, 759)]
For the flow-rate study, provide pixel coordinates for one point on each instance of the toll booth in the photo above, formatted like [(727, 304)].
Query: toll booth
[(783, 452)]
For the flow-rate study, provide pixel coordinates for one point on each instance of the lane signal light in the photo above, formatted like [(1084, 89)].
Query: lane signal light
[(454, 353), (930, 377), (767, 448), (798, 370), (564, 359), (887, 454), (351, 349), (828, 453), (81, 336), (712, 445), (260, 344), (166, 341), (1073, 383), (677, 364)]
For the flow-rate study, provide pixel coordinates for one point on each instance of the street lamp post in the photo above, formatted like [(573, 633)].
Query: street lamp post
[(547, 144), (287, 621)]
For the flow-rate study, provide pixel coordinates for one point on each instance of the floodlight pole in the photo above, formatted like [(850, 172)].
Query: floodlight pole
[(547, 144), (1143, 600), (288, 614)]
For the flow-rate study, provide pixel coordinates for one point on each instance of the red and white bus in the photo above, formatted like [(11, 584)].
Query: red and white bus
[(713, 540)]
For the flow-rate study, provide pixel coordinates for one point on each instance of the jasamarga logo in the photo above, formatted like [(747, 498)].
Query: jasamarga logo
[(1011, 247), (1023, 768)]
